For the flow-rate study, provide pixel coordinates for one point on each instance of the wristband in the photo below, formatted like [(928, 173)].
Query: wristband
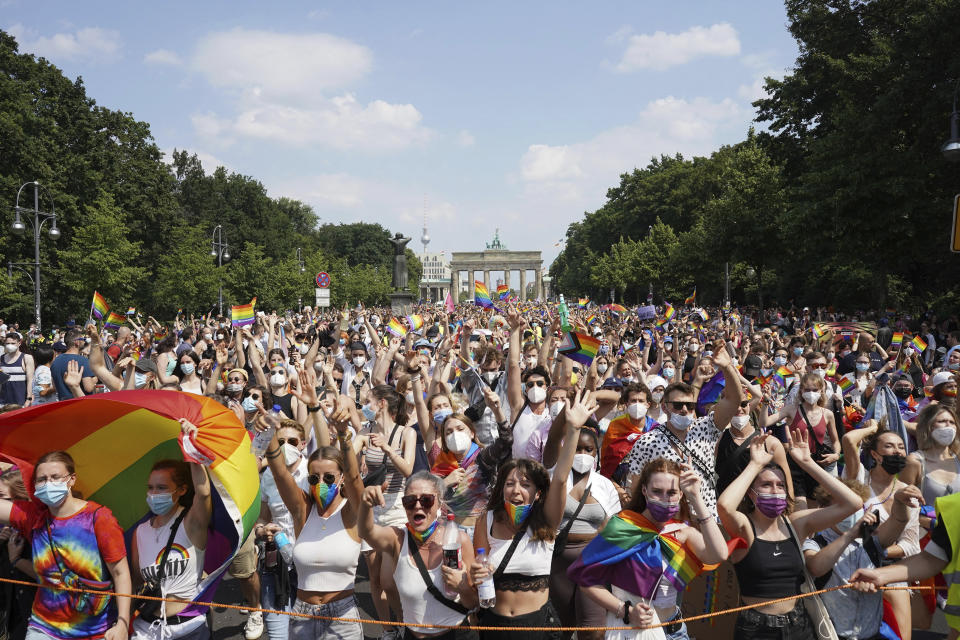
[(626, 611), (313, 409)]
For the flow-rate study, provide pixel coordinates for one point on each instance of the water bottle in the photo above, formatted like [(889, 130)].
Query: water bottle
[(262, 440), (486, 590), (451, 548), (284, 546), (564, 314)]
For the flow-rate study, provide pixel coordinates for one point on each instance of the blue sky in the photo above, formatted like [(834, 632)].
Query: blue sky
[(514, 115)]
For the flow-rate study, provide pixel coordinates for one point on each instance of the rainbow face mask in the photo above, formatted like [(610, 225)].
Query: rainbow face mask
[(517, 513), (325, 493), (421, 537)]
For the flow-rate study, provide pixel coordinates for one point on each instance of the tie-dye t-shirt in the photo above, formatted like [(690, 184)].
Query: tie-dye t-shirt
[(85, 542)]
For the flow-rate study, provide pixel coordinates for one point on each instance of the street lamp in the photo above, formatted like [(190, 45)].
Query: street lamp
[(18, 228), (221, 251), (300, 260), (951, 148)]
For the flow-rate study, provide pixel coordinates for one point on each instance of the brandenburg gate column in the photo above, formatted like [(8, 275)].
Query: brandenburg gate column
[(523, 284), (486, 279), (470, 283), (455, 286), (539, 285), (506, 276)]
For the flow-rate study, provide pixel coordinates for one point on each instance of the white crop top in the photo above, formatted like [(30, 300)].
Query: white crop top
[(530, 558), (419, 606), (325, 555), (184, 562)]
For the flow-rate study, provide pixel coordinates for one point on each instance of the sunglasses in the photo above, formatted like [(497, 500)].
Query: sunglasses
[(236, 379), (744, 404), (426, 501), (822, 365), (678, 406), (328, 478), (536, 383), (293, 442)]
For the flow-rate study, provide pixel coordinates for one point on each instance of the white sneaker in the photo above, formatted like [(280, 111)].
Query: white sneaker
[(253, 629), (390, 634)]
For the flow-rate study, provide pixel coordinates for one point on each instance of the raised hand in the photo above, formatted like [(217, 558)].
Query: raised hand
[(582, 407), (799, 446), (373, 496), (758, 450), (910, 496), (689, 480), (72, 377)]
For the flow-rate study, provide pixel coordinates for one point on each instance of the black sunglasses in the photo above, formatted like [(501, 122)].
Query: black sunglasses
[(536, 383), (677, 406), (294, 442), (328, 478), (426, 501), (744, 404)]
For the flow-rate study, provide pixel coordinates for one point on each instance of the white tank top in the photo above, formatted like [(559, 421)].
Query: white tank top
[(527, 423), (325, 555), (418, 605), (184, 562), (530, 558)]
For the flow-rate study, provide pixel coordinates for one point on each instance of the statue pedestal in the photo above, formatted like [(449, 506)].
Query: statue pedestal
[(401, 303)]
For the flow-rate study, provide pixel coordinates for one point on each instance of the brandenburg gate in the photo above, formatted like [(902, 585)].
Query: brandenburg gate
[(496, 258)]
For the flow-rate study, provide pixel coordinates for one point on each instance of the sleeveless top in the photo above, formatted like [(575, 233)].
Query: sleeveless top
[(184, 562), (15, 388), (932, 489), (770, 569), (728, 471), (588, 521), (418, 605), (325, 555), (376, 458), (819, 427), (529, 567), (286, 404)]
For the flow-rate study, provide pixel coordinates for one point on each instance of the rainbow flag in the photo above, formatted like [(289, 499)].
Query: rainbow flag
[(781, 375), (99, 307), (414, 322), (481, 296), (591, 318), (395, 328), (131, 311), (692, 299), (582, 303), (818, 331), (502, 292), (242, 315), (920, 345), (897, 339), (116, 437), (579, 347), (620, 437), (845, 383), (114, 321), (630, 553), (179, 310), (668, 313), (703, 314)]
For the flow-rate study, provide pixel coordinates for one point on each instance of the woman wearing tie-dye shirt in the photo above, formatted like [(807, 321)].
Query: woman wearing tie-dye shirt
[(75, 543)]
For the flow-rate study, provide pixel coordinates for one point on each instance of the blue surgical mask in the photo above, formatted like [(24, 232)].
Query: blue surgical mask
[(668, 373), (187, 369), (780, 361), (440, 415), (368, 413), (863, 366), (798, 351), (52, 493), (160, 503), (139, 380), (249, 404)]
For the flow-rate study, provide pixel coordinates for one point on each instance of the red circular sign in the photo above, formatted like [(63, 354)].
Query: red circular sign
[(323, 280)]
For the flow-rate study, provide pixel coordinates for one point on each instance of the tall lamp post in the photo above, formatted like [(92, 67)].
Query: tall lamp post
[(951, 148), (19, 228), (221, 251), (303, 269)]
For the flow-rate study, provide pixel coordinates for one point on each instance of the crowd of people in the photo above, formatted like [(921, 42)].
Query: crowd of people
[(592, 462)]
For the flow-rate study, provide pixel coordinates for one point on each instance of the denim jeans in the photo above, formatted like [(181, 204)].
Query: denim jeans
[(312, 629), (277, 625), (794, 625)]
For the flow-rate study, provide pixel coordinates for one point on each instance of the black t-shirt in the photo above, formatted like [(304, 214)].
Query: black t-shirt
[(849, 363)]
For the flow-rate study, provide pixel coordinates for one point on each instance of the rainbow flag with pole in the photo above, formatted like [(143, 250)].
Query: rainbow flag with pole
[(115, 438), (396, 328), (99, 307), (242, 315), (579, 347), (131, 311), (692, 299), (919, 344), (114, 321), (845, 383), (414, 322), (668, 313), (631, 553), (481, 296), (897, 340)]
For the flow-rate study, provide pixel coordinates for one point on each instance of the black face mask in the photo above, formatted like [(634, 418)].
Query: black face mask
[(893, 464), (903, 394)]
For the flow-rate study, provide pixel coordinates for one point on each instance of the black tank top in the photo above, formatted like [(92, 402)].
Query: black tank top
[(286, 404), (729, 469), (770, 569)]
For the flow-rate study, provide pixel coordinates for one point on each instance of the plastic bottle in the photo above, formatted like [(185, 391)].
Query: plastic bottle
[(262, 440), (284, 546), (486, 590), (451, 548), (564, 314)]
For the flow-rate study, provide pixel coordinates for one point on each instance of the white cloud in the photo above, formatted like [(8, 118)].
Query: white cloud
[(280, 65), (661, 50), (162, 56), (91, 44), (208, 161), (755, 90), (543, 162), (465, 138)]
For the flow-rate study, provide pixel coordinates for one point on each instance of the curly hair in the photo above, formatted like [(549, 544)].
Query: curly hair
[(540, 529)]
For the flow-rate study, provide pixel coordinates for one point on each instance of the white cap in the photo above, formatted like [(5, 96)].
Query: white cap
[(940, 378), (656, 381)]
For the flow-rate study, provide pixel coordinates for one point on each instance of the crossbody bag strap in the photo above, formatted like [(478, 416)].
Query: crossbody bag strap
[(813, 435), (432, 588), (393, 433), (509, 554), (707, 473), (561, 540), (162, 571)]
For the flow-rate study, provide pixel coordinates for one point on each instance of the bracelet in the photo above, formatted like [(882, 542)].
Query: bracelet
[(626, 611), (313, 409), (415, 378), (704, 519)]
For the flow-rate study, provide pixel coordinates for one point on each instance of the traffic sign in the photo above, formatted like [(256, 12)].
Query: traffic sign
[(955, 235), (323, 279), (322, 297)]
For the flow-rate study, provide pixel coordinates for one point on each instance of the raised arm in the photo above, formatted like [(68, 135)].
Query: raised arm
[(733, 395), (377, 536), (291, 494), (577, 413), (850, 443), (197, 521), (546, 349), (514, 392), (98, 363)]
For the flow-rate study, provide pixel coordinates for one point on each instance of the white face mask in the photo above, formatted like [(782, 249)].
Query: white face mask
[(278, 380), (408, 396), (10, 348), (693, 348), (359, 361), (637, 410), (943, 435), (290, 453), (657, 396), (303, 349), (739, 422), (811, 397), (583, 462), (490, 376), (556, 408), (536, 394), (458, 441), (531, 362), (681, 422)]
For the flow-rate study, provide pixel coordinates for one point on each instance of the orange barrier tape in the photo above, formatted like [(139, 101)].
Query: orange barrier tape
[(464, 626)]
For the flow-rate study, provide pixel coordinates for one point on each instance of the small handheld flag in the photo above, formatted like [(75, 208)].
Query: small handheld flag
[(99, 307), (583, 302), (114, 321), (845, 383), (131, 311), (897, 340), (242, 315), (579, 347), (395, 328), (692, 299), (415, 322), (502, 291), (919, 344)]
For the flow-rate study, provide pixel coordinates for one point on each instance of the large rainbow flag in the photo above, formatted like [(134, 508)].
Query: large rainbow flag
[(242, 315), (116, 437), (631, 554), (481, 296), (114, 321)]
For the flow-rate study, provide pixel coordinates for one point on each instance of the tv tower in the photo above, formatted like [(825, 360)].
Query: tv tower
[(425, 238)]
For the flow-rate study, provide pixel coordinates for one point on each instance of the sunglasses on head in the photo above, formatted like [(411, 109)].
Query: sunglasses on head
[(293, 442), (426, 501), (328, 478), (678, 406), (536, 383)]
